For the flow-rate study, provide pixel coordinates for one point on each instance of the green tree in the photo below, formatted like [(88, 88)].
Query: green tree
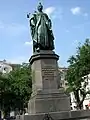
[(4, 90), (21, 85), (15, 88), (79, 66)]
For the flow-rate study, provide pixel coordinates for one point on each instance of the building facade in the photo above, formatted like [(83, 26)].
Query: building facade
[(62, 74), (5, 67)]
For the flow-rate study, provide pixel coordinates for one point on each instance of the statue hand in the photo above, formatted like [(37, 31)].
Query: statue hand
[(32, 22)]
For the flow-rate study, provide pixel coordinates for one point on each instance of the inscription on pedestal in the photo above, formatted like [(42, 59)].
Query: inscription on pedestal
[(48, 73)]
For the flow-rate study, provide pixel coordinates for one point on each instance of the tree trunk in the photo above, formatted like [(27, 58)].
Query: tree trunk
[(77, 97)]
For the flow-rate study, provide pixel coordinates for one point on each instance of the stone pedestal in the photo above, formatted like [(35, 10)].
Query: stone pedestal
[(46, 97), (44, 71)]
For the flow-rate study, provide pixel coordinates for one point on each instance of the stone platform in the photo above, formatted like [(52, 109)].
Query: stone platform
[(65, 115), (49, 101)]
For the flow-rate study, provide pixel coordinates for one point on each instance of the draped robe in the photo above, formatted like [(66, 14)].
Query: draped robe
[(41, 30)]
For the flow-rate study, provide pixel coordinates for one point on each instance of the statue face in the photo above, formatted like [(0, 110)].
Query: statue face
[(40, 7)]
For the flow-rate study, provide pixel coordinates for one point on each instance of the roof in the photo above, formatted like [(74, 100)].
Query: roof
[(10, 64)]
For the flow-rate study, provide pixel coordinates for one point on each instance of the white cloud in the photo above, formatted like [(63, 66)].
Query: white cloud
[(76, 10), (54, 12), (58, 14), (49, 10), (29, 43)]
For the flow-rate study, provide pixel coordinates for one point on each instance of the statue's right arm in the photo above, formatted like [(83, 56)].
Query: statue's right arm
[(32, 22)]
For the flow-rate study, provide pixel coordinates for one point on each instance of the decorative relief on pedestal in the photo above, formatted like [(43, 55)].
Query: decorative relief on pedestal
[(51, 108)]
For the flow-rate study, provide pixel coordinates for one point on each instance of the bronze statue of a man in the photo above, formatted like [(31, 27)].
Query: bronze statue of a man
[(41, 30)]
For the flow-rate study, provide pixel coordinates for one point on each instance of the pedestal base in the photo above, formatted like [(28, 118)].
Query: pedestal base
[(49, 101)]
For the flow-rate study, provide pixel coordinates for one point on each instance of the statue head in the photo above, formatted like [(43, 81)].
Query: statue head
[(40, 7)]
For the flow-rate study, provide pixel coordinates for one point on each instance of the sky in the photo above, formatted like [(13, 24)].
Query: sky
[(70, 20)]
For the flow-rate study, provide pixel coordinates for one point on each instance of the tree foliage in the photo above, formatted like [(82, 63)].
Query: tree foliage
[(15, 88), (79, 66)]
